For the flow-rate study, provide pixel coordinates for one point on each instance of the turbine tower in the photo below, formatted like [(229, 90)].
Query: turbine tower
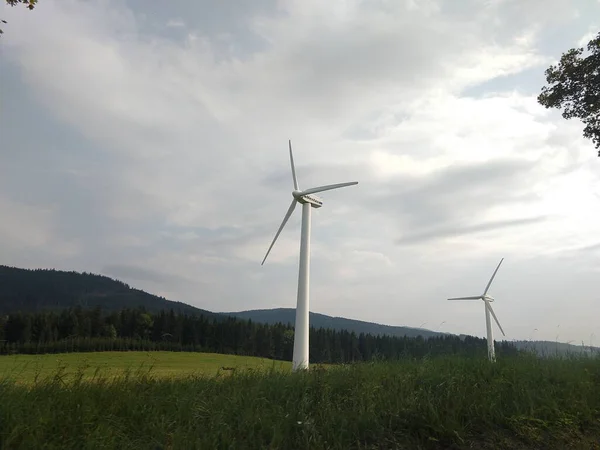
[(487, 299), (308, 201)]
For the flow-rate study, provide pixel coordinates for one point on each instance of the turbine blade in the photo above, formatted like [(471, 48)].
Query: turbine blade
[(478, 297), (492, 279), (488, 306), (293, 167), (328, 187), (285, 219)]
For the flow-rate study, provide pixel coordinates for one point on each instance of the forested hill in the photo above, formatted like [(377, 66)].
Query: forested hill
[(34, 290), (48, 289), (37, 290), (288, 315)]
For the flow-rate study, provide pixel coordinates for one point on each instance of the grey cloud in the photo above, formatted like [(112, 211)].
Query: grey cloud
[(449, 202), (345, 67), (464, 229), (590, 248), (205, 18), (456, 193), (482, 175), (94, 206), (407, 51), (511, 14), (82, 183), (580, 251), (91, 183)]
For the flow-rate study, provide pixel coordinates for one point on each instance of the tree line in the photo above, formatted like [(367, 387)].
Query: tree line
[(85, 330)]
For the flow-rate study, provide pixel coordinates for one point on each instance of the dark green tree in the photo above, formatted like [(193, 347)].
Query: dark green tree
[(109, 331), (574, 87)]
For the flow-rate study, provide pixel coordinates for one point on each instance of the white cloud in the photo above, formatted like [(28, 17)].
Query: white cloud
[(182, 170)]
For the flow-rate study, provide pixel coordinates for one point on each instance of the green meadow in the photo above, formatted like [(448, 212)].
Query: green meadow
[(28, 369), (182, 401)]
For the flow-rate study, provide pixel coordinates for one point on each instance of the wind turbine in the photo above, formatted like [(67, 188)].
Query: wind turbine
[(487, 299), (308, 201)]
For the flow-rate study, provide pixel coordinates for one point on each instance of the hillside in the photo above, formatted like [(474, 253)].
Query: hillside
[(287, 315), (48, 289)]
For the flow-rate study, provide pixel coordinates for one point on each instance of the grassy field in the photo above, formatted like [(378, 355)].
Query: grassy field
[(442, 403), (29, 368)]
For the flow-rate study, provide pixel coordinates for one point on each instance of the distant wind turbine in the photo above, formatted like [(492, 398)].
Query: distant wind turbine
[(487, 299), (308, 200)]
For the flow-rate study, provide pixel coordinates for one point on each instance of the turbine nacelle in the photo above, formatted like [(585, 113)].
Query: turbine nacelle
[(301, 197)]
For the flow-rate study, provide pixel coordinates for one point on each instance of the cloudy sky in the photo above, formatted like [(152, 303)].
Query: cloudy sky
[(147, 141)]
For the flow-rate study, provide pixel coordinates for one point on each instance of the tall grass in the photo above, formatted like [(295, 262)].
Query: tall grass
[(520, 402)]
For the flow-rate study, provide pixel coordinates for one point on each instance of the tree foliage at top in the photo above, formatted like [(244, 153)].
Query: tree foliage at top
[(574, 86), (30, 4)]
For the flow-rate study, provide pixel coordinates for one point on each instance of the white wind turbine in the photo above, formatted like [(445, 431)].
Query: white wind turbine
[(487, 299), (308, 200)]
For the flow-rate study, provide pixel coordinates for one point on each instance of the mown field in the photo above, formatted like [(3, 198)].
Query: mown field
[(441, 403), (27, 369)]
